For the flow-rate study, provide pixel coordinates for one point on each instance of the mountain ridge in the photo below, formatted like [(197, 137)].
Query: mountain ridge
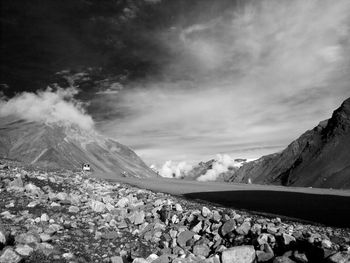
[(318, 158), (67, 146)]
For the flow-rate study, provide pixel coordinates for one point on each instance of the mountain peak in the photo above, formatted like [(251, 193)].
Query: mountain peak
[(67, 146), (320, 157)]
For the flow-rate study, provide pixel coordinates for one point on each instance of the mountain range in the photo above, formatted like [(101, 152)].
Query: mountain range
[(68, 147), (318, 158)]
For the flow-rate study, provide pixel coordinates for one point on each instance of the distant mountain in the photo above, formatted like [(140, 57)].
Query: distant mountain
[(318, 158), (58, 146), (203, 167)]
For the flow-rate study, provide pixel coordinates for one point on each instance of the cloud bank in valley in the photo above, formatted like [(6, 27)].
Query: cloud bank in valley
[(48, 107), (222, 164), (245, 82), (172, 169)]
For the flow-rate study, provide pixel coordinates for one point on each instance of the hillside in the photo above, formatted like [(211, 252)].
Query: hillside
[(318, 158), (58, 146)]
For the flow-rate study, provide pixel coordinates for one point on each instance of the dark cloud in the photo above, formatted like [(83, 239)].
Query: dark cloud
[(185, 79)]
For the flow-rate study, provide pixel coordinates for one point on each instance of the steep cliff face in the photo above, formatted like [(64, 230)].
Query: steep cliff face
[(318, 158), (57, 146)]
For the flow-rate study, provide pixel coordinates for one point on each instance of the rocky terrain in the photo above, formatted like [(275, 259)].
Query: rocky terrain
[(55, 145), (64, 216)]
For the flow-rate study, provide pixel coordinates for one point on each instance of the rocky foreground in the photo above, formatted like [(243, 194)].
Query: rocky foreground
[(63, 216)]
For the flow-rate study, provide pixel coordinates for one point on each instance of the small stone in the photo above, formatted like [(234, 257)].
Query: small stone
[(243, 229), (151, 258), (24, 250), (201, 250), (214, 259), (139, 260), (98, 206), (10, 256), (44, 248), (73, 209), (44, 218), (256, 229), (326, 243), (67, 255), (271, 229), (178, 207), (283, 259), (265, 255), (198, 227), (239, 254), (184, 237), (27, 239), (54, 204), (33, 189), (205, 211), (139, 217), (216, 216), (122, 202), (265, 238), (116, 259), (32, 204), (45, 237), (287, 239), (61, 196), (340, 257), (16, 183), (2, 238), (228, 227), (300, 257)]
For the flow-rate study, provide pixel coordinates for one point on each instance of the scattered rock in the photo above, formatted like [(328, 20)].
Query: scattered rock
[(205, 211), (283, 259), (228, 227), (239, 254), (10, 256), (24, 250), (340, 257), (201, 250), (184, 237), (243, 229), (116, 259), (118, 223)]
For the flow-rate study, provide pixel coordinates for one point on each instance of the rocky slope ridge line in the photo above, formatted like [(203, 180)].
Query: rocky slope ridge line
[(70, 217), (60, 146), (318, 158)]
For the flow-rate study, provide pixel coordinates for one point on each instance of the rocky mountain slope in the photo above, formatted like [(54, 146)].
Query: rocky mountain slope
[(71, 217), (59, 146), (318, 158)]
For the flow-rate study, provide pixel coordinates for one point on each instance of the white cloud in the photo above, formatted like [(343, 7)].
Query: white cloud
[(48, 107), (174, 170), (221, 164), (258, 78)]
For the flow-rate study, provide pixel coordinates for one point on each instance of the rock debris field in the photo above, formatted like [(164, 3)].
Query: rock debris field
[(61, 216)]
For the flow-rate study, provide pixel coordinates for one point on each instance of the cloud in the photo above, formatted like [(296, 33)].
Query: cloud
[(174, 170), (222, 164), (48, 107), (245, 83)]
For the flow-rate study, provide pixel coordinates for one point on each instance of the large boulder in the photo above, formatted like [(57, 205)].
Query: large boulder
[(239, 254), (10, 256)]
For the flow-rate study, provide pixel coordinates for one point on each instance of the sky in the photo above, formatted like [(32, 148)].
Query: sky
[(187, 80)]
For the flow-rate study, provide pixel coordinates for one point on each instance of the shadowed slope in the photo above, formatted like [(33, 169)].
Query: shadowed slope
[(319, 158)]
